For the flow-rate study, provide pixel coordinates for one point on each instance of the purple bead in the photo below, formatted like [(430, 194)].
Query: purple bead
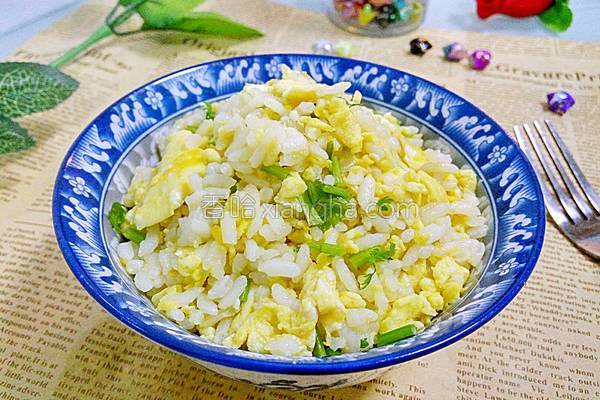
[(480, 59), (560, 102), (455, 52)]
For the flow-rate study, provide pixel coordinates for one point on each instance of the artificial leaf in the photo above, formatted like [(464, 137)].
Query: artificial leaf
[(160, 14), (558, 17), (13, 137), (209, 23), (27, 88)]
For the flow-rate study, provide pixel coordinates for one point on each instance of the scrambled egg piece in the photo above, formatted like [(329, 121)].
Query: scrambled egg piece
[(291, 187)]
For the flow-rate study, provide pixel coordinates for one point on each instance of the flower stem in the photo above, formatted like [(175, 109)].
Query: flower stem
[(100, 34)]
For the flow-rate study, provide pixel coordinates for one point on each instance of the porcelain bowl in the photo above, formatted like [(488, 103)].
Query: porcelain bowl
[(98, 166)]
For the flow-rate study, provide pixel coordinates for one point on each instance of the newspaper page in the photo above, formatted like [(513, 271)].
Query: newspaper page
[(56, 342)]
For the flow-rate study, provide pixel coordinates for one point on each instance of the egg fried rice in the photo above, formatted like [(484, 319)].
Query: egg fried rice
[(290, 219)]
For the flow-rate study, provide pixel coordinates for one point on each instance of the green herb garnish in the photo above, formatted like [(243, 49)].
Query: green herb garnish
[(330, 203), (276, 170), (395, 335), (210, 112), (336, 171), (385, 204), (312, 216), (329, 149), (116, 217), (321, 350), (371, 255), (366, 279), (364, 343), (244, 295), (327, 248)]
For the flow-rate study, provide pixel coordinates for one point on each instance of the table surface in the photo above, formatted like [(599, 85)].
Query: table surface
[(22, 19)]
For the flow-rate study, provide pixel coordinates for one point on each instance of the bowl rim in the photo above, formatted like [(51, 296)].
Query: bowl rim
[(318, 366)]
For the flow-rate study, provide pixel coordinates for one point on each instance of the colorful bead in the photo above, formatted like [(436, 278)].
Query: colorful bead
[(343, 49), (405, 13), (399, 4), (323, 47), (366, 15), (419, 46), (386, 15), (560, 102), (455, 52), (480, 59), (349, 10), (380, 3)]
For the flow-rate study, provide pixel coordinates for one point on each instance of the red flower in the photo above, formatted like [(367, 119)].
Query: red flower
[(513, 8)]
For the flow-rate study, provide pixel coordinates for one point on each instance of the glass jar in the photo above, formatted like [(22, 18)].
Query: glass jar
[(377, 17)]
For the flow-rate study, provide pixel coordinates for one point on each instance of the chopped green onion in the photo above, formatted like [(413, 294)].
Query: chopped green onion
[(276, 171), (244, 295), (366, 279), (327, 248), (364, 343), (329, 149), (116, 216), (336, 191), (371, 255), (210, 112), (395, 335), (336, 171), (319, 349)]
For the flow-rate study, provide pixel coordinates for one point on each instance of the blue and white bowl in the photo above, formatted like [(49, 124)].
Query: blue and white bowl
[(98, 166)]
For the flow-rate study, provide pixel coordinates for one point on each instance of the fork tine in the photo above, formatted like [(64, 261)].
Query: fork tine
[(588, 190), (580, 201), (554, 208), (563, 198)]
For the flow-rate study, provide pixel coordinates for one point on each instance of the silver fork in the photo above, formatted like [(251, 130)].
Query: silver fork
[(573, 204)]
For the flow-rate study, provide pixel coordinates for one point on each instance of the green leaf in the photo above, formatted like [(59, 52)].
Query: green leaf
[(27, 88), (371, 255), (160, 14), (558, 17), (365, 280), (364, 343), (116, 217), (319, 348), (205, 22), (13, 137)]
